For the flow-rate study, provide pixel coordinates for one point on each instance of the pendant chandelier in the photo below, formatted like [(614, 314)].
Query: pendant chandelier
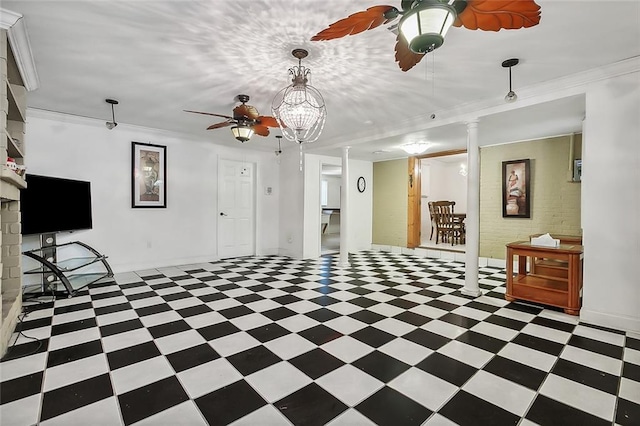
[(299, 108)]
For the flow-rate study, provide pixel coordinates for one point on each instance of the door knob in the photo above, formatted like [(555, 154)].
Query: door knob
[(223, 214)]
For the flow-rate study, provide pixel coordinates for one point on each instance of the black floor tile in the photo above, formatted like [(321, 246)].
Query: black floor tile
[(506, 322), (323, 315), (235, 312), (287, 299), (596, 346), (412, 318), (153, 309), (279, 313), (268, 332), (310, 405), (372, 336), (316, 363), (468, 410), (587, 376), (363, 302), (367, 316), (26, 349), (104, 310), (631, 371), (482, 306), (36, 323), (381, 366), (72, 308), (229, 403), (248, 298), (74, 353), (206, 298), (632, 343), (21, 387), (514, 371), (482, 341), (216, 331), (161, 330), (120, 327), (459, 320), (192, 357), (320, 334), (194, 310), (628, 413), (402, 303), (426, 338), (131, 355), (76, 395), (542, 345), (324, 300), (252, 360), (389, 407), (137, 405), (556, 325), (446, 368), (140, 296), (547, 411)]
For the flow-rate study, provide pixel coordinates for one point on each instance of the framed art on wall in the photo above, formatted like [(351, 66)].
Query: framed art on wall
[(148, 175), (516, 189)]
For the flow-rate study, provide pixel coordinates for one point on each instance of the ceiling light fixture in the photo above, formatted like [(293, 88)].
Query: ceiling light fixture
[(511, 96), (415, 148), (299, 108), (242, 131), (279, 151), (427, 22), (111, 124)]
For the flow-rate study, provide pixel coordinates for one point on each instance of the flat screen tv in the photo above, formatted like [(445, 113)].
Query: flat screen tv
[(52, 204)]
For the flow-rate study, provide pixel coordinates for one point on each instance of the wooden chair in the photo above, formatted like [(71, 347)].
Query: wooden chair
[(447, 227), (432, 216)]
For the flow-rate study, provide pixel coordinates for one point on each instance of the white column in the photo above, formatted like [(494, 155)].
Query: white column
[(472, 222), (344, 210)]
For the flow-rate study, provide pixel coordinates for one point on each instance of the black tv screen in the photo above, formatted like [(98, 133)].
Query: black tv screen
[(51, 204)]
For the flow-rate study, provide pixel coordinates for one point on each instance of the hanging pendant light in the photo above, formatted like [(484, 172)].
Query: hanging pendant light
[(111, 124), (299, 108), (511, 96)]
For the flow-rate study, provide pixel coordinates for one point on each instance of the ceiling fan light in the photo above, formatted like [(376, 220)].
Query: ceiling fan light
[(511, 96), (425, 26), (242, 132), (415, 148)]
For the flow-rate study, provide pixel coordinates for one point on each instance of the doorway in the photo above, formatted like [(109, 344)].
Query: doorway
[(443, 178), (330, 191), (236, 217)]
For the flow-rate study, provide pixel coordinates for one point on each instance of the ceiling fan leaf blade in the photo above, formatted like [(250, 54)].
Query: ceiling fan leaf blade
[(355, 23), (492, 15), (245, 110), (209, 113), (260, 129), (405, 57), (267, 121), (220, 125)]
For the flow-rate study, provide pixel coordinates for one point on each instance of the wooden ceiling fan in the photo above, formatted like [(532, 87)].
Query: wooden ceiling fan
[(245, 117), (423, 23)]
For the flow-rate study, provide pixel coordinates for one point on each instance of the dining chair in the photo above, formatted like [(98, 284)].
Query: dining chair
[(448, 228)]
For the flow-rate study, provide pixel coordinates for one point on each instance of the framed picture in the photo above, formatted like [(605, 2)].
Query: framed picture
[(148, 175), (516, 189)]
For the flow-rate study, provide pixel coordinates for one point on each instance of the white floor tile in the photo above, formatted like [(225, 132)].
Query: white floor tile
[(424, 388), (501, 392), (466, 353), (179, 341), (347, 349), (160, 318), (349, 384), (23, 412), (248, 322), (140, 374), (289, 346), (234, 343), (632, 356), (208, 377), (592, 359), (406, 351), (547, 333), (493, 330), (105, 412), (265, 416), (125, 340), (579, 396), (351, 417), (76, 371), (345, 324), (527, 356), (71, 339), (20, 367), (394, 326), (296, 323), (630, 390), (444, 329), (277, 381)]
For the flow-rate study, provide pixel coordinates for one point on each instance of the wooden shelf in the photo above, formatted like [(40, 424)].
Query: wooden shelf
[(555, 277)]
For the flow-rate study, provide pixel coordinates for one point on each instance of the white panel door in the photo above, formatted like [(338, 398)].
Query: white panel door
[(236, 224)]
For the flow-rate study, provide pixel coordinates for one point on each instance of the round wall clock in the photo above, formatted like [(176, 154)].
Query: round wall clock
[(361, 184)]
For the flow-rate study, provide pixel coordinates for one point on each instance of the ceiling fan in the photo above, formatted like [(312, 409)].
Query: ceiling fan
[(424, 23), (246, 119)]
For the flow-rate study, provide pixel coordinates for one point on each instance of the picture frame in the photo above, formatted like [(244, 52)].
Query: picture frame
[(148, 175), (516, 189)]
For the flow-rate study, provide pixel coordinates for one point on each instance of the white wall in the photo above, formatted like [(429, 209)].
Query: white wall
[(333, 191), (290, 227), (360, 214), (184, 232), (611, 203)]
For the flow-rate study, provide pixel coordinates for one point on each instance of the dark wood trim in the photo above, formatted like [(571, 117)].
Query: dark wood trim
[(443, 153), (414, 199)]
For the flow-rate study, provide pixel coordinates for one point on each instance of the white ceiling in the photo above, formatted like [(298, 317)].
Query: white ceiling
[(161, 57)]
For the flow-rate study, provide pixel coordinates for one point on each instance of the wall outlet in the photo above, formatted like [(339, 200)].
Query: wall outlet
[(290, 239)]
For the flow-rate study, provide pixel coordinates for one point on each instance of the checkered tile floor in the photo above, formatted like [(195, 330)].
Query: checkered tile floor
[(274, 341)]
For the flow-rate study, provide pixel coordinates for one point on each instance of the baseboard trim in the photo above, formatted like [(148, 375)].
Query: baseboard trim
[(603, 319), (439, 254)]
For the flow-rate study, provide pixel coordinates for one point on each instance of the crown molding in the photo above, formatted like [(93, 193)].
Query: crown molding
[(16, 28)]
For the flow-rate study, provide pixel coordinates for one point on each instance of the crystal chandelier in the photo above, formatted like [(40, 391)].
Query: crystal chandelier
[(299, 108)]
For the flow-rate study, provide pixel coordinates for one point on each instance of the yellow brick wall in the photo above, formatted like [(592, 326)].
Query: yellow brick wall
[(390, 202), (555, 202)]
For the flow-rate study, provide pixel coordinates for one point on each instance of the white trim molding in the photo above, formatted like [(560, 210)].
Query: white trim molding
[(16, 28)]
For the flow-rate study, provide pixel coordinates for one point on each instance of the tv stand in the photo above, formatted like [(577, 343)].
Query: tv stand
[(82, 266)]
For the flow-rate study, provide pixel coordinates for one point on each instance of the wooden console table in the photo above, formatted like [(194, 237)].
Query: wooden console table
[(557, 284)]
